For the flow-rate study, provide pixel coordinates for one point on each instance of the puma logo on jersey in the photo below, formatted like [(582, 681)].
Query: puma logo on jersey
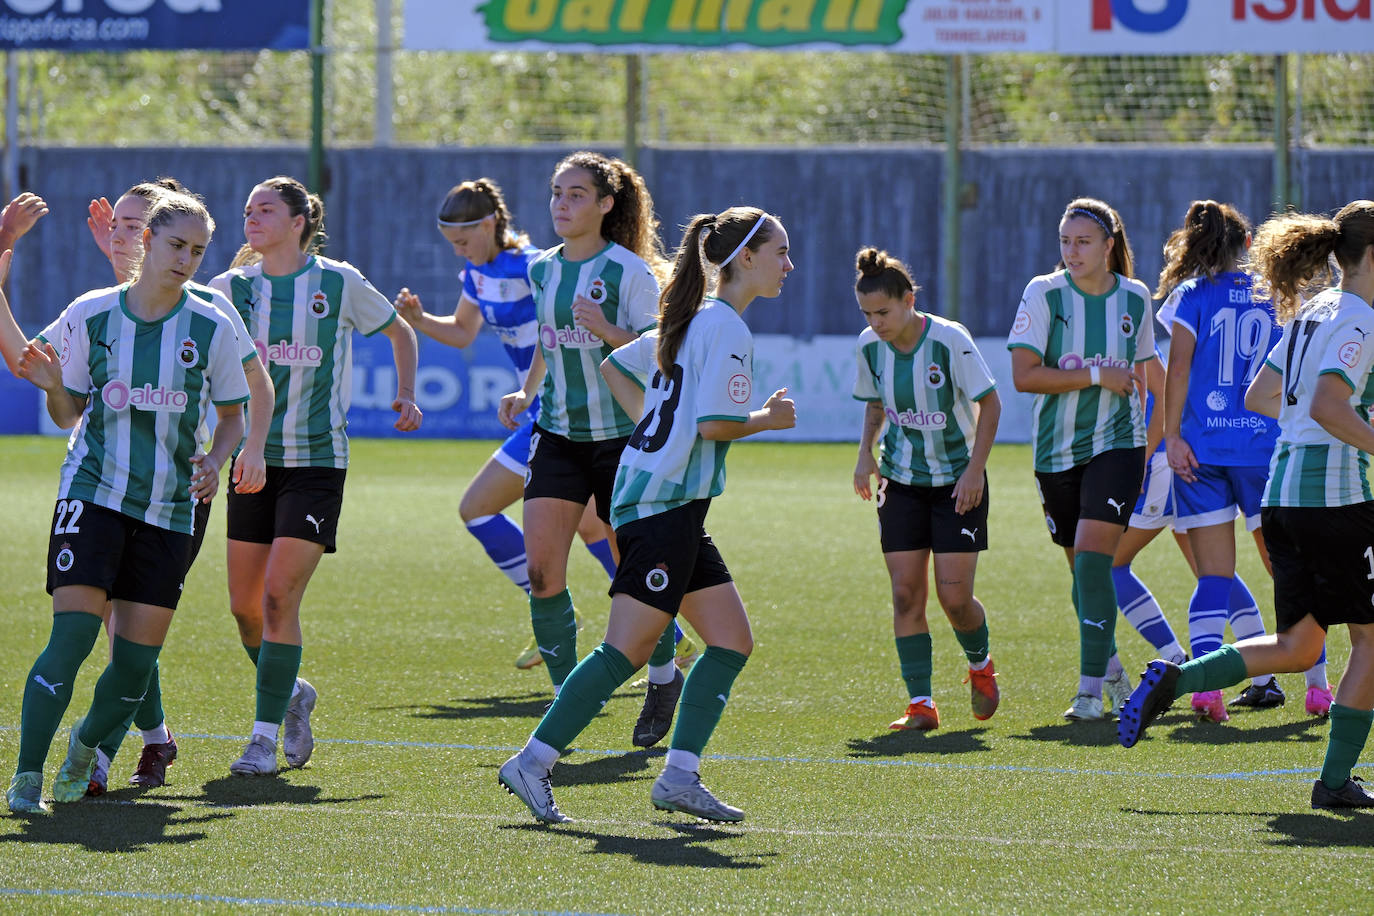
[(1063, 318), (1119, 507), (1363, 333), (42, 682), (314, 521), (972, 535), (1100, 624), (109, 347), (740, 358)]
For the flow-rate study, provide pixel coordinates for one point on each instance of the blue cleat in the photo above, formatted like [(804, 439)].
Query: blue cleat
[(1148, 701)]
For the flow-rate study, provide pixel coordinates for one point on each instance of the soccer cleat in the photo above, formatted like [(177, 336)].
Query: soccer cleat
[(25, 795), (529, 656), (75, 774), (1117, 688), (297, 740), (533, 788), (1086, 708), (921, 717), (100, 778), (685, 654), (1319, 700), (660, 702), (259, 758), (692, 797), (1148, 701), (151, 771), (1351, 795), (1209, 705), (983, 692), (1260, 696)]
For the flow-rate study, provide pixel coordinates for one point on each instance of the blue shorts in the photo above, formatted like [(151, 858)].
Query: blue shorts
[(1218, 492), (1155, 507), (514, 453)]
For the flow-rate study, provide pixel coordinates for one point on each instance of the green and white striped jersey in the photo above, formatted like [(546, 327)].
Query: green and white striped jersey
[(147, 387), (302, 327), (1068, 329), (667, 463), (574, 401), (1311, 467), (928, 396)]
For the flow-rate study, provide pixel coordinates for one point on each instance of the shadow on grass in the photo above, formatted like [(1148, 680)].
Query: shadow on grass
[(1322, 829), (607, 770), (1304, 731), (251, 791), (1074, 734), (102, 826), (530, 705), (693, 847), (899, 743)]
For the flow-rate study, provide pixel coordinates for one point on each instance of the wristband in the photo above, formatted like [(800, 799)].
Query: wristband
[(1094, 375)]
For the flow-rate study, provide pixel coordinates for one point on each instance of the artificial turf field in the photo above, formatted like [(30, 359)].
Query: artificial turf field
[(410, 634)]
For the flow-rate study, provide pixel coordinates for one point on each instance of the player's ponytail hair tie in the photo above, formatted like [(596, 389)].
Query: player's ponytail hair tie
[(1084, 211), (747, 236)]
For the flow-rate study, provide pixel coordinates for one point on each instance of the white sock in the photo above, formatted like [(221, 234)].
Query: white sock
[(1092, 686), (1316, 675), (266, 730), (682, 760), (537, 752), (980, 665), (661, 674), (1173, 652), (295, 688), (926, 699), (102, 761), (158, 735), (1114, 666)]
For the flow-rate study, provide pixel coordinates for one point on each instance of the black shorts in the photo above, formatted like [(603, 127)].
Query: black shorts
[(1321, 560), (923, 518), (561, 468), (128, 559), (294, 503), (1104, 489), (202, 519), (667, 556)]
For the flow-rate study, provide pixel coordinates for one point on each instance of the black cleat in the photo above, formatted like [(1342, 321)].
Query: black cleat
[(1257, 696), (1351, 795), (656, 718), (1151, 697)]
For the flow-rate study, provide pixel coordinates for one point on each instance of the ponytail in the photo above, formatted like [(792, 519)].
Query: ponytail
[(1209, 242), (1292, 253)]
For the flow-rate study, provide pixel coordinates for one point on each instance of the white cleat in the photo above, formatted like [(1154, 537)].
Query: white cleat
[(532, 786), (1086, 708), (687, 795), (297, 740), (259, 758), (1117, 688)]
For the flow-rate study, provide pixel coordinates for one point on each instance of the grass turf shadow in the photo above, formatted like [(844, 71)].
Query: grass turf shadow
[(113, 826), (530, 705), (1345, 828), (900, 743), (251, 791), (690, 848), (1074, 734), (1206, 732), (609, 769)]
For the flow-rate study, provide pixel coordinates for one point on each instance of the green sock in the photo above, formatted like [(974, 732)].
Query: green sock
[(974, 643), (1223, 668), (1349, 729), (913, 655), (278, 665), (582, 695), (150, 713), (555, 632), (666, 648), (48, 688), (253, 652), (1092, 576), (704, 696), (120, 690)]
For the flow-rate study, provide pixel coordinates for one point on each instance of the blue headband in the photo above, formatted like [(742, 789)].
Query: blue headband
[(1082, 211)]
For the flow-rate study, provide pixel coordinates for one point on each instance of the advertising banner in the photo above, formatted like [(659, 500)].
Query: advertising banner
[(126, 25), (916, 26)]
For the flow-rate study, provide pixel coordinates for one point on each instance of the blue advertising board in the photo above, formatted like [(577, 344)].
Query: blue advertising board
[(126, 25)]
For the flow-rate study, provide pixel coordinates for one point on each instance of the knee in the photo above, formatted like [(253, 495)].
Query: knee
[(468, 508), (960, 607), (908, 598)]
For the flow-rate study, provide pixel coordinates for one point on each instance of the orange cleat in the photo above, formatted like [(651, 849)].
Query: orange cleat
[(983, 692), (920, 716)]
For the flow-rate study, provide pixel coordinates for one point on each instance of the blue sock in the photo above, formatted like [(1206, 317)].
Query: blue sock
[(1140, 608), (504, 542), (1246, 622), (1207, 613), (678, 634), (602, 551)]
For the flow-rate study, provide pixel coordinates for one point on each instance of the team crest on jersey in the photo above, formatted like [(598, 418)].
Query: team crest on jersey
[(935, 375), (1217, 400), (65, 558), (187, 353), (657, 579), (1349, 353), (319, 304), (597, 291), (1127, 325)]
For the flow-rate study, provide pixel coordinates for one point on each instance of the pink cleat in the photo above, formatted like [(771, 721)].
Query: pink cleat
[(1210, 705), (1319, 700)]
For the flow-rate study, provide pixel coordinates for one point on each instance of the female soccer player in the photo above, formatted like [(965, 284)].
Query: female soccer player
[(1217, 449), (474, 219), (594, 292), (924, 377), (117, 231), (139, 367), (300, 309), (1317, 513), (1076, 340), (701, 363)]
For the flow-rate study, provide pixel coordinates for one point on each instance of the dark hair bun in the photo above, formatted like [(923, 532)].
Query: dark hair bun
[(871, 262)]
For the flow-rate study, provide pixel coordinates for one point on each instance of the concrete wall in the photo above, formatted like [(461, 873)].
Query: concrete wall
[(381, 206)]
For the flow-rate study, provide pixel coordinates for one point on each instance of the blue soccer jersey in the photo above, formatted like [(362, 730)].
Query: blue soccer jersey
[(501, 290), (1234, 333)]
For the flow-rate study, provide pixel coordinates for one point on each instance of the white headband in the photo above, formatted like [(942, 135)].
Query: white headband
[(448, 224), (747, 237)]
